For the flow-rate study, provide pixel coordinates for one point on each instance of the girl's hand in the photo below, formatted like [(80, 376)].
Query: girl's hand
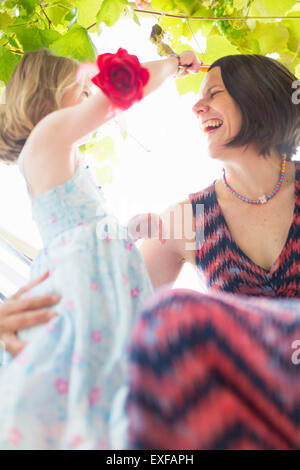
[(17, 313), (191, 63)]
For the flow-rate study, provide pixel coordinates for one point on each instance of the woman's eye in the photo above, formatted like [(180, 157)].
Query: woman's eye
[(213, 94)]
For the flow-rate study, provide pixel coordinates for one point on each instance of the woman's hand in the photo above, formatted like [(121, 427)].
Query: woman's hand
[(190, 62), (18, 313)]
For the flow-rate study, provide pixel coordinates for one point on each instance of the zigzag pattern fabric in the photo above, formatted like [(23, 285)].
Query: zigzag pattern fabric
[(215, 371), (221, 370), (224, 266)]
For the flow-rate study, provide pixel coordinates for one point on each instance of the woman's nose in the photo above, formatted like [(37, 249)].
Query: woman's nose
[(200, 107)]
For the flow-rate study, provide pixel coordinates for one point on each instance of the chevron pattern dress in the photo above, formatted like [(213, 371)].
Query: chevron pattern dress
[(221, 369)]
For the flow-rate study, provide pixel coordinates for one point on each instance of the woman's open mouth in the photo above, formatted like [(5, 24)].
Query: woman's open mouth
[(212, 125)]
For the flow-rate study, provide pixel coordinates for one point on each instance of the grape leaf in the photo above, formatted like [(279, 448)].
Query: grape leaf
[(29, 5), (187, 7), (87, 11), (270, 7), (75, 43), (189, 83), (110, 11), (271, 37), (8, 62), (217, 47), (163, 5), (34, 38), (56, 14), (5, 20), (288, 59), (293, 27)]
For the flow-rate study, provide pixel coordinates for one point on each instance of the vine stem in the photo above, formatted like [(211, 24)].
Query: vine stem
[(209, 18), (215, 18), (49, 21)]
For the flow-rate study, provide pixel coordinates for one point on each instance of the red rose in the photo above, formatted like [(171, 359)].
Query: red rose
[(121, 78)]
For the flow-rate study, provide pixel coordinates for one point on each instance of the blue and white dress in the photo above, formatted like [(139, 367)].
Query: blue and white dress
[(67, 388)]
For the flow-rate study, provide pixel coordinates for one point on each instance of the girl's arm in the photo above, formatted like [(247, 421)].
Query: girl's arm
[(66, 126), (49, 158)]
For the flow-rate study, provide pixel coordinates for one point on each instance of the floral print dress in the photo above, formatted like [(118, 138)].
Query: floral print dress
[(67, 388)]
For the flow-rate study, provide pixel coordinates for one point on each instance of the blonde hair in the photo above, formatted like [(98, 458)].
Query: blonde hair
[(34, 90)]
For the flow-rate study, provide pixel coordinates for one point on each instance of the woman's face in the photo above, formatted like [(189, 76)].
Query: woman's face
[(216, 107)]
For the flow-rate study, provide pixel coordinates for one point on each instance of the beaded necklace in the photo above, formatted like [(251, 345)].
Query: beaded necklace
[(262, 199)]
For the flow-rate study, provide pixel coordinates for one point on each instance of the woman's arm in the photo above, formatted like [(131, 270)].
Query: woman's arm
[(164, 260), (17, 313)]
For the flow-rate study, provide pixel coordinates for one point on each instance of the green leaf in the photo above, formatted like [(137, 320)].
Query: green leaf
[(13, 43), (8, 62), (189, 83), (256, 47), (29, 5), (110, 11), (297, 71), (56, 14), (195, 25), (293, 27), (216, 47), (270, 7), (87, 11), (271, 37), (76, 43), (288, 59), (187, 7), (163, 5), (5, 20), (34, 38)]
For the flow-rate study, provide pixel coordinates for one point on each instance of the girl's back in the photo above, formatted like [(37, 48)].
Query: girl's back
[(59, 393)]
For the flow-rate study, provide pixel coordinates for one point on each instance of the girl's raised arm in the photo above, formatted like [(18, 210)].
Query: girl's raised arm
[(65, 127)]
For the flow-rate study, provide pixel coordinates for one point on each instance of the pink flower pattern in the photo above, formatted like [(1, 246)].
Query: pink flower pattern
[(94, 396), (96, 336), (62, 386), (128, 245), (14, 436), (135, 292), (76, 441), (94, 285)]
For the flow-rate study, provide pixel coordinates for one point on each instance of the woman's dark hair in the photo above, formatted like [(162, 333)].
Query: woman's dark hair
[(262, 88)]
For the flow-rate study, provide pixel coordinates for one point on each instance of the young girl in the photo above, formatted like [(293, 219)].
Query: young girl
[(66, 390)]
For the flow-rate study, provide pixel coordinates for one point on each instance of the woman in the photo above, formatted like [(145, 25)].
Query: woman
[(219, 370)]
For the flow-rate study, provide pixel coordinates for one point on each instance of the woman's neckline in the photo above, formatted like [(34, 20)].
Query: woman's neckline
[(275, 265)]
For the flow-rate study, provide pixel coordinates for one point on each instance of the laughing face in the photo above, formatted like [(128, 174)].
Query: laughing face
[(219, 115)]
